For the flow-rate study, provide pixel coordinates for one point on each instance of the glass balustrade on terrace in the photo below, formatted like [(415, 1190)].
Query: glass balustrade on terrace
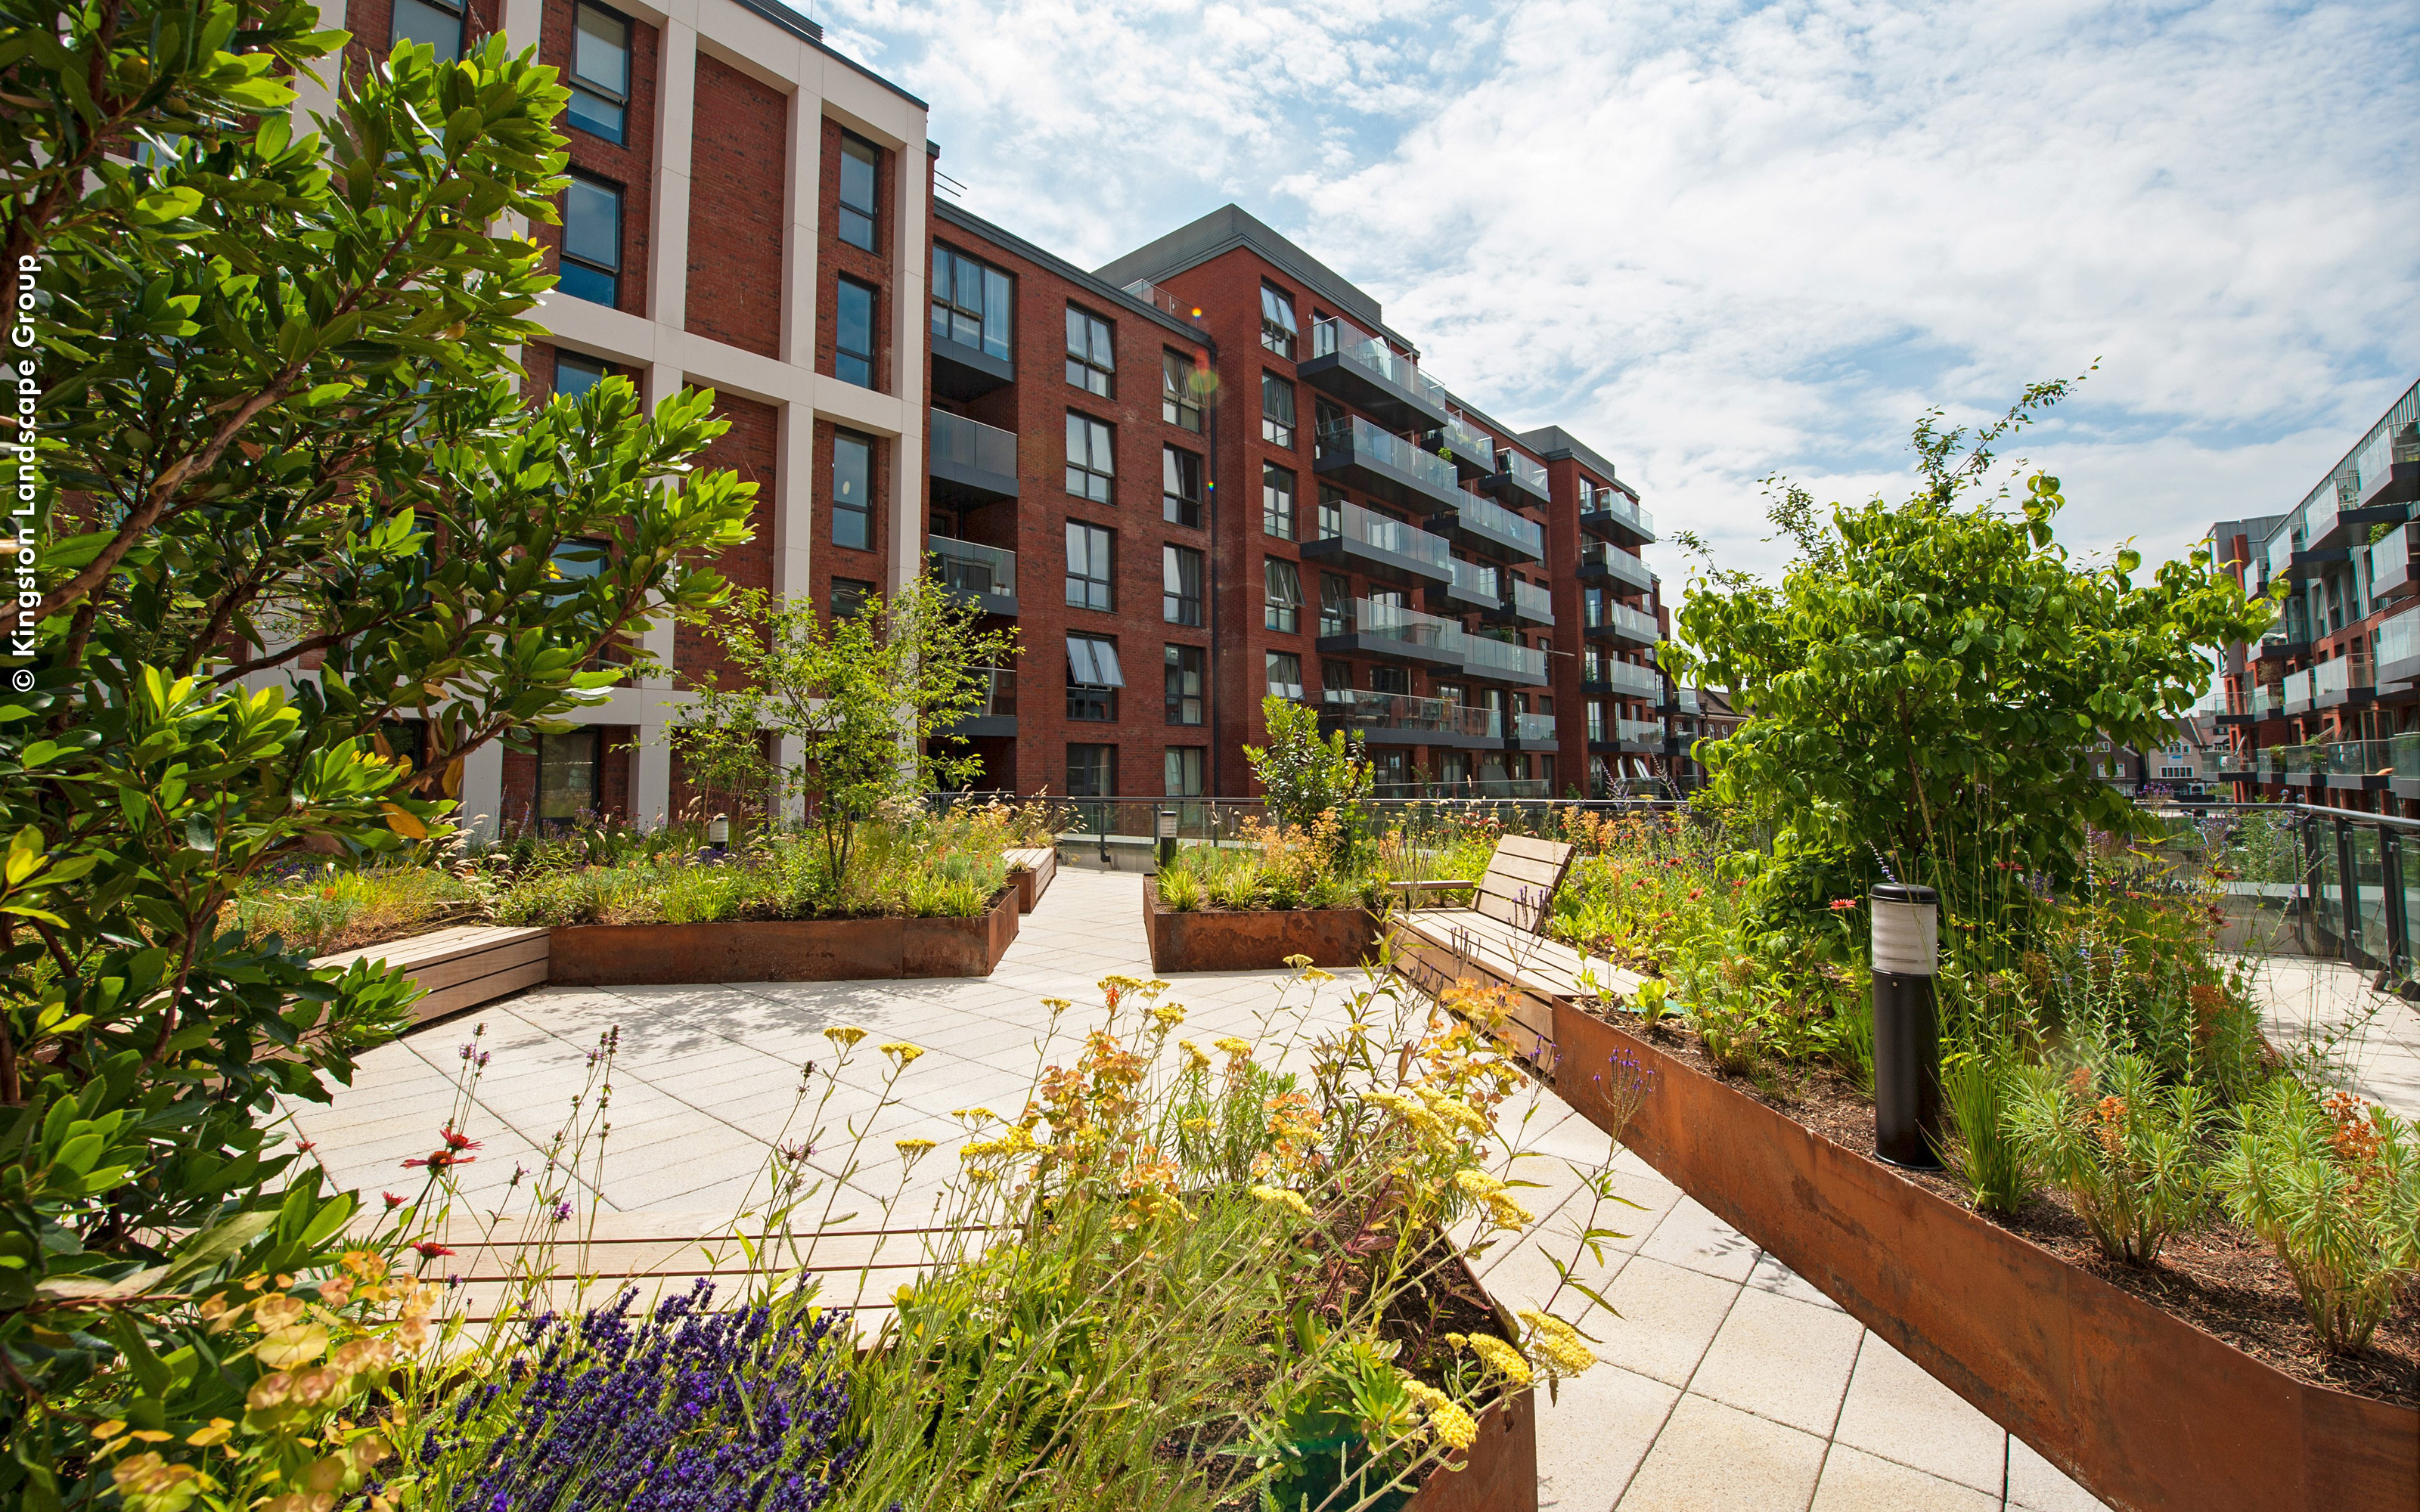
[(1601, 612), (1533, 729), (1484, 655), (2272, 765), (1521, 470), (1355, 523), (2268, 701), (1361, 709), (1629, 677), (2403, 756), (1469, 443), (1613, 502), (2396, 640), (1533, 602), (2302, 760), (1633, 731), (973, 570), (1390, 621), (970, 443), (1341, 338), (2360, 758), (999, 692), (2298, 691), (1358, 436), (2335, 680), (1487, 515), (2283, 545), (1613, 562), (1472, 577)]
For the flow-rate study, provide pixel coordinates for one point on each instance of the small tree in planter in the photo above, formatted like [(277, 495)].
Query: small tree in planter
[(862, 703), (1307, 777)]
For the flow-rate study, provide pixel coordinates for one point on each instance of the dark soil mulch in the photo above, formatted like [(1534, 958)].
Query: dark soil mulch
[(2219, 1278)]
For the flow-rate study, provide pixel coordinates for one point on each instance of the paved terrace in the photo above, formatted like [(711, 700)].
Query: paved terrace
[(1725, 1383)]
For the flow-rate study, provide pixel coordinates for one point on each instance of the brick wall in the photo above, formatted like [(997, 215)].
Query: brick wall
[(736, 215), (831, 559), (748, 448), (835, 257)]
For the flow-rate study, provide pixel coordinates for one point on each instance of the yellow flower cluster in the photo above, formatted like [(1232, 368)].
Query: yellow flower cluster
[(844, 1034), (1168, 1015), (1452, 1111), (1452, 1425), (1194, 1059), (1555, 1344), (1014, 1141), (1240, 1048), (902, 1052), (1278, 1197), (1500, 1357)]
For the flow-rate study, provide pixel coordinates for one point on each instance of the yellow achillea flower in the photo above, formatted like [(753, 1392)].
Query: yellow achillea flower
[(1120, 983), (1453, 1426), (1500, 1357), (1168, 1015), (844, 1034), (1298, 962), (979, 1115), (1155, 987), (1452, 1110), (1232, 1045), (1506, 1213), (901, 1051), (1555, 1344), (911, 1147), (1479, 1183), (1317, 976), (1278, 1197), (1057, 1005), (1194, 1059)]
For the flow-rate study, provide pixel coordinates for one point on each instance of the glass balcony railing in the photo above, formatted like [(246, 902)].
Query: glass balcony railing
[(1360, 709), (2302, 760), (1631, 571), (2338, 677), (1472, 578), (1468, 441), (1615, 502), (2403, 755), (1628, 677), (2396, 640), (2360, 758), (998, 693), (2283, 546), (1356, 436), (1491, 516), (971, 568), (1343, 339), (2272, 765), (2268, 701), (1522, 469), (1534, 601), (1391, 621), (970, 443), (1485, 653), (1636, 623), (2298, 691), (1533, 728), (1353, 522), (1638, 729), (2320, 513), (1686, 699)]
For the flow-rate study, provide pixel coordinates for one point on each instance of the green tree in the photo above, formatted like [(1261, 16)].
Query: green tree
[(289, 506), (1925, 684), (862, 701), (1304, 775)]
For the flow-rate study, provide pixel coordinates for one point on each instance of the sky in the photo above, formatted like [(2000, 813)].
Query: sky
[(1720, 241)]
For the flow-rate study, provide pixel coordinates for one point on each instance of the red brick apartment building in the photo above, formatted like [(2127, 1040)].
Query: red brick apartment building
[(1208, 472), (2326, 708)]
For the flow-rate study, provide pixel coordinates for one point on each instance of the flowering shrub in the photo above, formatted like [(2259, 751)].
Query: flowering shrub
[(2125, 1148)]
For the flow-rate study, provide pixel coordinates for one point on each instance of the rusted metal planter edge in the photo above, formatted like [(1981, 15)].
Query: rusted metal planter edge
[(2140, 1408), (804, 950), (1220, 939)]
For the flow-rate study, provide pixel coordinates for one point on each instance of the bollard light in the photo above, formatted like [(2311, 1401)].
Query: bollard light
[(1907, 1039), (718, 830), (1167, 838)]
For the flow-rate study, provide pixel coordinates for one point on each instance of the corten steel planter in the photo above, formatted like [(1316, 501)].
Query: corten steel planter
[(2142, 1408), (805, 950), (1220, 939), (1499, 1474)]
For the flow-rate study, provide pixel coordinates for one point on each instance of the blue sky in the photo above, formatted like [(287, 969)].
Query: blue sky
[(1722, 240)]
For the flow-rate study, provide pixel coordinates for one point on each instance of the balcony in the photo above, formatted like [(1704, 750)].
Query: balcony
[(1363, 371), (1400, 720), (2360, 765), (1386, 549), (1491, 530), (2390, 568), (1388, 629), (1474, 586), (1501, 661), (2305, 765), (2287, 640), (1531, 604), (1617, 624), (995, 717), (965, 369), (1629, 679), (1357, 453), (1531, 731), (972, 463), (1637, 736), (1522, 481), (984, 575), (1472, 448), (1615, 515), (2268, 701), (2403, 758), (1603, 564), (2348, 678), (1679, 699), (2394, 648), (2386, 474), (2297, 692)]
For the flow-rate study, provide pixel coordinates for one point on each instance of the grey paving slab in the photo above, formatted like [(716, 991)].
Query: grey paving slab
[(1710, 1457), (1781, 1359), (1897, 1411), (1855, 1481)]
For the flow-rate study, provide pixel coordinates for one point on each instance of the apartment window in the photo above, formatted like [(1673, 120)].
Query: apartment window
[(1282, 674), (1277, 409), (1180, 598), (1277, 502), (860, 165), (591, 266), (1335, 604), (1180, 488), (578, 560), (1282, 589), (1090, 357), (1089, 466), (1392, 767), (575, 373), (1090, 550), (600, 73), (848, 596), (1094, 678), (1184, 777), (432, 23), (1091, 771), (853, 338), (1331, 511), (566, 775), (1596, 719), (1276, 321), (971, 303), (852, 491), (1179, 399), (1184, 685), (1390, 680), (1335, 680)]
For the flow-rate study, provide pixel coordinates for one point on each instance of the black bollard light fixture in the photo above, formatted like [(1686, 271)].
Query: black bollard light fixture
[(1907, 1037), (1167, 838)]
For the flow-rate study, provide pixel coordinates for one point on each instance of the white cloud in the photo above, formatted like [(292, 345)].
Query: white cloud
[(1719, 240)]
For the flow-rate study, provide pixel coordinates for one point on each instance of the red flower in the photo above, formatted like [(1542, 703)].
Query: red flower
[(456, 1139), (1843, 905), (393, 1201), (429, 1249)]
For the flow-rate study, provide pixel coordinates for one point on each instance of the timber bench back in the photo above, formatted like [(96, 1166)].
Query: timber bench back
[(1518, 886)]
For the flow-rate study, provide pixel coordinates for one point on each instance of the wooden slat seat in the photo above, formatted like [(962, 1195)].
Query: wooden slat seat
[(1032, 870), (459, 967)]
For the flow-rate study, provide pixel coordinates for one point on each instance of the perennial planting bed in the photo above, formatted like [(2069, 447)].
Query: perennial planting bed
[(1256, 939)]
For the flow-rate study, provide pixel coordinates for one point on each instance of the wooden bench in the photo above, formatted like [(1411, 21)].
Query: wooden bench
[(1032, 872), (1500, 942), (459, 967)]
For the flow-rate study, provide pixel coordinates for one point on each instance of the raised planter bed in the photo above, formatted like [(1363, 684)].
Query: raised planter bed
[(805, 950), (1033, 871), (1225, 939), (2140, 1408)]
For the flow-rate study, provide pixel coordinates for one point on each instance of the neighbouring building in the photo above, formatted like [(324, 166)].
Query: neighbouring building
[(1206, 473), (2326, 707)]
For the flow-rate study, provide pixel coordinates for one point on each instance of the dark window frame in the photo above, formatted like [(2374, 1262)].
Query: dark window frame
[(1270, 684), (1095, 477), (1184, 675), (580, 362), (1279, 337), (1092, 363), (1280, 612), (1106, 765), (864, 511), (948, 311), (845, 359), (1270, 513), (1180, 486), (461, 14), (1094, 702), (1179, 404), (1176, 605), (1100, 579), (568, 261), (869, 213), (552, 747), (616, 99), (1182, 757), (1275, 431)]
